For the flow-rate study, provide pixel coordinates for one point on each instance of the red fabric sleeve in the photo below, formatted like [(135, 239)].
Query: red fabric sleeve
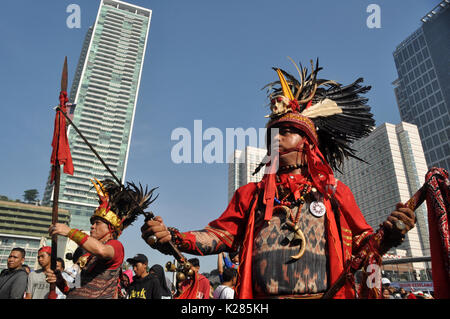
[(117, 260), (229, 225), (351, 211), (234, 218)]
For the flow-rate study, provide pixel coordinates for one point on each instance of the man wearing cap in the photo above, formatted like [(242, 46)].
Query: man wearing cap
[(103, 254), (143, 285), (298, 227)]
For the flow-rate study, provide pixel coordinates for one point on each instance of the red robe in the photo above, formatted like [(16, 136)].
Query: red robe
[(239, 218)]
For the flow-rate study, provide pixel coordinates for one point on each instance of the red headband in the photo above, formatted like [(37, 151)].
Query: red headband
[(46, 249)]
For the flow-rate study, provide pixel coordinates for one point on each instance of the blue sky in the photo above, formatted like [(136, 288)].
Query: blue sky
[(206, 60)]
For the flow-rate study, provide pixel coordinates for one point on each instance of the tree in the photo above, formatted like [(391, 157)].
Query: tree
[(3, 197), (30, 195)]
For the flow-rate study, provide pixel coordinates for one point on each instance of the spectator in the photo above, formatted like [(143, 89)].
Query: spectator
[(225, 290), (158, 272), (124, 285), (13, 281), (403, 293), (411, 295), (223, 262), (204, 285), (386, 293), (61, 266), (38, 287), (74, 271), (143, 285)]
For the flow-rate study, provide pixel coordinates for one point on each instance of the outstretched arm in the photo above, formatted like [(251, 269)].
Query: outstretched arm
[(200, 242)]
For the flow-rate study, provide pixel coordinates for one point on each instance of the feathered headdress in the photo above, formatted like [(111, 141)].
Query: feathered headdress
[(121, 205), (331, 115)]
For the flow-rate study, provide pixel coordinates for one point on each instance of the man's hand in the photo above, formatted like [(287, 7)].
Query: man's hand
[(59, 229), (50, 276), (155, 227), (401, 220)]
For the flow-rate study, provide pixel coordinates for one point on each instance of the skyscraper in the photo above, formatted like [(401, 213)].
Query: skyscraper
[(394, 171), (105, 89), (242, 166), (422, 89)]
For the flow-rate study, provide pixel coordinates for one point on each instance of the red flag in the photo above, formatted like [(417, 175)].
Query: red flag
[(60, 142)]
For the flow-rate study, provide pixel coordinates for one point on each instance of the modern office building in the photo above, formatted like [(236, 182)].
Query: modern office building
[(105, 91), (26, 226), (422, 89), (394, 171), (241, 167)]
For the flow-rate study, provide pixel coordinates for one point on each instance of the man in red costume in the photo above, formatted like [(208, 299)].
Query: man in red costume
[(103, 254), (299, 226)]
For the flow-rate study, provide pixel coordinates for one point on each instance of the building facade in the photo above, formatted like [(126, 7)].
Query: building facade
[(105, 90), (422, 89), (395, 169), (241, 167), (26, 226)]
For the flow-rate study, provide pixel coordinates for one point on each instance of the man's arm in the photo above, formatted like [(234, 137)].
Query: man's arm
[(219, 236), (91, 245), (29, 289)]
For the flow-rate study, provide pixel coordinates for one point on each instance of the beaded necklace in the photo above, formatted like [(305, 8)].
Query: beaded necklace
[(306, 189)]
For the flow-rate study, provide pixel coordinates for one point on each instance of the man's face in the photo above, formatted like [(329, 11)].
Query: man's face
[(15, 260), (286, 138), (99, 229), (43, 259), (139, 269), (59, 266)]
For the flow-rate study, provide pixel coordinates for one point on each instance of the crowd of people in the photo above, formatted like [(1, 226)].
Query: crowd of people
[(391, 292), (18, 281)]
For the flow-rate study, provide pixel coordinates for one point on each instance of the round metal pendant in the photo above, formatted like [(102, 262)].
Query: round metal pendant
[(317, 209)]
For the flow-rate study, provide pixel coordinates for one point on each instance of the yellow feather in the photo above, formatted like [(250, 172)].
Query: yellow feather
[(284, 86)]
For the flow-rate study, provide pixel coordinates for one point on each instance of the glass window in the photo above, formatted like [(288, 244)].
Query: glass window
[(432, 100), (432, 156), (436, 141)]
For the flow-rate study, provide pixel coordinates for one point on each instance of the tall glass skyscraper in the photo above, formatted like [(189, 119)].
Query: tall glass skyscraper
[(105, 89), (422, 89), (395, 169)]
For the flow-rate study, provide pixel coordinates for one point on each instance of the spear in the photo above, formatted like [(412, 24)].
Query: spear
[(175, 252), (60, 155)]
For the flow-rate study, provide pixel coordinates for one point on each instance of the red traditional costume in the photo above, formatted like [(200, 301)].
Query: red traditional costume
[(119, 207), (330, 118)]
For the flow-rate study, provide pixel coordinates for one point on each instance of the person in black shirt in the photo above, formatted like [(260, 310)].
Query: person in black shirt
[(143, 285), (157, 271)]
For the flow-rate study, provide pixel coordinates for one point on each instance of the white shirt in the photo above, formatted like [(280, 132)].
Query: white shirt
[(223, 292)]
